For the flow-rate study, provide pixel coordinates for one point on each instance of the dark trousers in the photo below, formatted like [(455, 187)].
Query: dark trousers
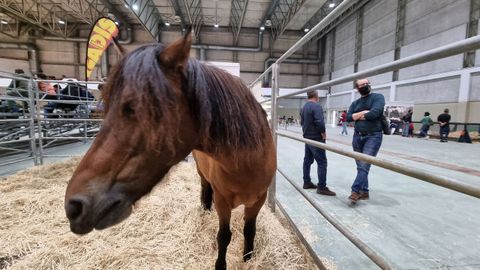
[(424, 131), (314, 153), (444, 130)]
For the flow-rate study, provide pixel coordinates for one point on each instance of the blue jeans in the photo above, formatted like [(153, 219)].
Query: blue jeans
[(424, 131), (406, 129), (368, 144), (444, 130), (317, 154), (344, 128)]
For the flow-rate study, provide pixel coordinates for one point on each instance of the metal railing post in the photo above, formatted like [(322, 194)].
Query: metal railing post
[(31, 108), (39, 123), (87, 115), (274, 125)]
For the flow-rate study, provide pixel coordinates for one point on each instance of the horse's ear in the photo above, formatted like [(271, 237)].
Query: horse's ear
[(176, 54)]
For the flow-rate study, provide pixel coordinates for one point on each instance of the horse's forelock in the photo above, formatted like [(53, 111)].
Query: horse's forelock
[(138, 80)]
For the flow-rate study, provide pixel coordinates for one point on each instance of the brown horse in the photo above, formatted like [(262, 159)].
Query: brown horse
[(159, 106)]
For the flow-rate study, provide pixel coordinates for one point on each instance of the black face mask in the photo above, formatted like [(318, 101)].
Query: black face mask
[(365, 90)]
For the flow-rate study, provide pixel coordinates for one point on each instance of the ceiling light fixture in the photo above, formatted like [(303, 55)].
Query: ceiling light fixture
[(331, 5), (262, 28), (306, 30), (126, 5), (61, 22), (167, 24), (216, 15), (4, 22), (135, 7)]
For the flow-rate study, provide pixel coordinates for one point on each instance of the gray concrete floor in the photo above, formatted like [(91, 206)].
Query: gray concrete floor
[(73, 149), (410, 223)]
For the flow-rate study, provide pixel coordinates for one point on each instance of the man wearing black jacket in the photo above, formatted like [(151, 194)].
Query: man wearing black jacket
[(313, 126), (367, 138), (444, 122)]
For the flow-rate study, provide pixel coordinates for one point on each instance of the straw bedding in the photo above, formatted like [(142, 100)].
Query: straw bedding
[(168, 229)]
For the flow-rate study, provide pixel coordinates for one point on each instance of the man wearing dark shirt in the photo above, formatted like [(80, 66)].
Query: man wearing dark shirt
[(444, 122), (367, 138), (313, 126), (407, 119)]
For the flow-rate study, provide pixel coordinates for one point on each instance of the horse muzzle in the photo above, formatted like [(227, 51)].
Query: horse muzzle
[(86, 213)]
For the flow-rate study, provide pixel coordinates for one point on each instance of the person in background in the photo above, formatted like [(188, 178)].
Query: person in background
[(407, 119), (343, 121), (21, 82), (18, 87), (51, 94), (313, 126), (444, 122), (464, 136), (99, 107), (367, 112), (290, 120), (426, 123), (46, 86)]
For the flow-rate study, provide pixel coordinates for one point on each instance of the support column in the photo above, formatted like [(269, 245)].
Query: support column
[(464, 96), (203, 54), (328, 110), (304, 67), (332, 58), (393, 92), (472, 30), (76, 59), (358, 40), (104, 64), (399, 33)]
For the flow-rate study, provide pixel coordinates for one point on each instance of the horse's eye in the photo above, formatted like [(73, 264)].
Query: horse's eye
[(128, 109)]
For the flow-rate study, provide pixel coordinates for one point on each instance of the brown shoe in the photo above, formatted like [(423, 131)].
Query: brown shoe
[(326, 191), (364, 196), (354, 197), (309, 185)]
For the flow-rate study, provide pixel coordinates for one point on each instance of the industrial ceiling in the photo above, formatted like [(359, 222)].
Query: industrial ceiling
[(62, 18)]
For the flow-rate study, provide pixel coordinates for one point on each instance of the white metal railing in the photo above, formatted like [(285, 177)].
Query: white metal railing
[(44, 119), (430, 55)]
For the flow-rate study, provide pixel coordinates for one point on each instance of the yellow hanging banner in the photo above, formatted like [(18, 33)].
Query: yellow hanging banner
[(102, 34)]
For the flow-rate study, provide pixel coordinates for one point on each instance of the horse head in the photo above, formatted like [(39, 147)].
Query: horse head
[(148, 127)]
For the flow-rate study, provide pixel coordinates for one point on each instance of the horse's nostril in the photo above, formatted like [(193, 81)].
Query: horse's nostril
[(75, 208)]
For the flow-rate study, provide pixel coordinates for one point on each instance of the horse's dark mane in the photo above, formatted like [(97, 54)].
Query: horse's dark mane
[(229, 117)]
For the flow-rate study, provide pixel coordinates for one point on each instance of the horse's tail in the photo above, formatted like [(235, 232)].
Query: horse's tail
[(207, 194)]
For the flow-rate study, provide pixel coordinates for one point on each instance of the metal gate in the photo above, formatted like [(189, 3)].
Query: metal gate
[(32, 120)]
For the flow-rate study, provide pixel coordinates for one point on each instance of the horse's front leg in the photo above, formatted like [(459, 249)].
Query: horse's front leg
[(250, 227), (224, 234)]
